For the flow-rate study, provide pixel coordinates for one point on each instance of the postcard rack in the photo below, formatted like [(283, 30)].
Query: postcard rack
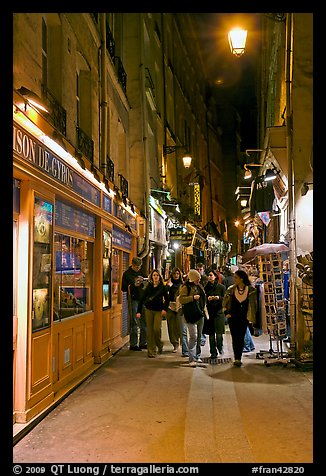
[(271, 273)]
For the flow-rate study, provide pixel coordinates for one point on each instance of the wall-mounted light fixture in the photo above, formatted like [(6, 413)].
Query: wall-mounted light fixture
[(271, 173), (237, 41), (248, 173), (95, 172), (79, 158), (59, 139), (170, 149), (31, 98), (305, 188), (175, 205)]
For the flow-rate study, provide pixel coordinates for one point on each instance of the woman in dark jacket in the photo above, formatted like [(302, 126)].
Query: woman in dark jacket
[(155, 300), (240, 304), (215, 325), (172, 317)]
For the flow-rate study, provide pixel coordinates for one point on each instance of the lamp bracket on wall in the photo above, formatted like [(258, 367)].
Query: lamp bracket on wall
[(31, 98), (305, 188), (169, 149)]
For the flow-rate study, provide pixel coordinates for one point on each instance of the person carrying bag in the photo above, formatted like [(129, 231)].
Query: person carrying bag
[(193, 299)]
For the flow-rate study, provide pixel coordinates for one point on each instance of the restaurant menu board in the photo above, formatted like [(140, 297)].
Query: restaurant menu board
[(85, 189), (72, 218), (43, 220)]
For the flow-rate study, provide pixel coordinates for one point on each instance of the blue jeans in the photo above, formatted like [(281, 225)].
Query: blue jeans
[(133, 305), (248, 341), (195, 331), (183, 333)]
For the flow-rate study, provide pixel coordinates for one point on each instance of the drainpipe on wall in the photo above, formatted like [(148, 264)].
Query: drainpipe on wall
[(103, 104), (289, 137), (144, 252)]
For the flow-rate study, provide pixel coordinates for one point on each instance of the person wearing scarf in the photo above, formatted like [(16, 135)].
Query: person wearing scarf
[(240, 306)]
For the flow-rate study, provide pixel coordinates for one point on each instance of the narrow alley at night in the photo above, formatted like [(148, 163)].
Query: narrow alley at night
[(163, 255)]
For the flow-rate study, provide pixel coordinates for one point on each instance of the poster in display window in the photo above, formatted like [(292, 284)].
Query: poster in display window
[(41, 316), (42, 263), (74, 297), (106, 263), (43, 212)]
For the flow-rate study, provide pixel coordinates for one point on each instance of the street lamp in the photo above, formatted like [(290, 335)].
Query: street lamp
[(237, 41), (170, 149)]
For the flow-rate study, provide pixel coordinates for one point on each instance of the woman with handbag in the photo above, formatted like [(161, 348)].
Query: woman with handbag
[(155, 300), (193, 299)]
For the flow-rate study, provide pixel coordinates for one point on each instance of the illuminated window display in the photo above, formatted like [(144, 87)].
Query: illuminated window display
[(41, 306), (73, 276), (107, 250)]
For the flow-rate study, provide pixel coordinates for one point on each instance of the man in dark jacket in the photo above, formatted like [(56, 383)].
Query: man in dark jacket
[(200, 267), (133, 284)]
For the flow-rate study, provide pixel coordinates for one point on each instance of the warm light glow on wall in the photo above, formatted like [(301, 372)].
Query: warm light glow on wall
[(27, 123)]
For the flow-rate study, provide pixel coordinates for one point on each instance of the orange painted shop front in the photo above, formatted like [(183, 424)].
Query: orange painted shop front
[(70, 248)]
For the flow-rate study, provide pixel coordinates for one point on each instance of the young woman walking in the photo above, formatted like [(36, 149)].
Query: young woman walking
[(240, 304), (155, 300), (172, 317)]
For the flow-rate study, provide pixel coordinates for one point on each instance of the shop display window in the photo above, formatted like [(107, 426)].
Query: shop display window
[(106, 285), (42, 264), (73, 276)]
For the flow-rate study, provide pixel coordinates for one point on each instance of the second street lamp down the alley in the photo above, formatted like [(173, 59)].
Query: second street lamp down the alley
[(169, 149)]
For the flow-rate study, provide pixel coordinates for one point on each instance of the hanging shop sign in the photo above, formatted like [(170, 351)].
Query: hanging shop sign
[(178, 234), (197, 203), (157, 232)]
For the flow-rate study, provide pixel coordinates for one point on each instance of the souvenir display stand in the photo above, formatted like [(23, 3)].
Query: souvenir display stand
[(305, 295), (271, 273)]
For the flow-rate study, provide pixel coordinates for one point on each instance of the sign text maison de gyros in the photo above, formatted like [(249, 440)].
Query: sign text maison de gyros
[(25, 146)]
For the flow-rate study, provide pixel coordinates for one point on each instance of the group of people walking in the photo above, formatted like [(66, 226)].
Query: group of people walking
[(195, 305)]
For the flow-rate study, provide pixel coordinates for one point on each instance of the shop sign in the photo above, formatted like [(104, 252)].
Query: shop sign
[(121, 238), (157, 227), (34, 152), (123, 215), (197, 204), (26, 147)]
